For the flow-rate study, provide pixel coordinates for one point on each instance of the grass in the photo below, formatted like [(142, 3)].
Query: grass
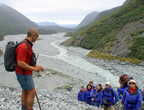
[(105, 56)]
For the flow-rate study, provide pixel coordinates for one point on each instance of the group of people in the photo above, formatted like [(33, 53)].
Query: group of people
[(128, 94)]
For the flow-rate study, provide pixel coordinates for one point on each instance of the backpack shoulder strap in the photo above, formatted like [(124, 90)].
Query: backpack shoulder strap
[(24, 41)]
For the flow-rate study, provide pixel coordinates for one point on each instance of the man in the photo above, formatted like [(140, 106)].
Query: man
[(24, 69)]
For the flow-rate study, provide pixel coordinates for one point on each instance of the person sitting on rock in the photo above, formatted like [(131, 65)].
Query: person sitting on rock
[(81, 94), (123, 80), (132, 98), (109, 97), (87, 96), (96, 96)]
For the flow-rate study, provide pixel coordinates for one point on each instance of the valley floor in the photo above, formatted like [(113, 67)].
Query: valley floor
[(58, 90)]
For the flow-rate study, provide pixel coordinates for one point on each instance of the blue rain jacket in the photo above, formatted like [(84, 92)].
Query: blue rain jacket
[(109, 97), (97, 98), (80, 96), (132, 101), (121, 91)]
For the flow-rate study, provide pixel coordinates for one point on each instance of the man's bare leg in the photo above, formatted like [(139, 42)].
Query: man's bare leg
[(24, 99), (30, 99)]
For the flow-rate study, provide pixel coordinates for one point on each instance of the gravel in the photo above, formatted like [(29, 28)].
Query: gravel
[(56, 100), (118, 68)]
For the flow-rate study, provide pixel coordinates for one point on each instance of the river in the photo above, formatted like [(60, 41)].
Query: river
[(68, 60)]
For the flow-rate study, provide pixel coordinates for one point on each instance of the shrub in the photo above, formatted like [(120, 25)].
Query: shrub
[(105, 56)]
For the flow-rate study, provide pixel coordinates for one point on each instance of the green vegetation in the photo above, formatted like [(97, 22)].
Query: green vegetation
[(105, 56), (137, 49), (105, 31), (88, 19), (102, 34)]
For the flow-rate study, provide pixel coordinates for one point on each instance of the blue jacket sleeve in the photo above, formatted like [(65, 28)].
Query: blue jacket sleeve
[(116, 97), (139, 101), (119, 91), (101, 98), (91, 93), (79, 96), (124, 97), (88, 98)]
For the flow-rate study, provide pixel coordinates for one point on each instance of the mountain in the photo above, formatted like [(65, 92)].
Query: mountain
[(56, 28), (47, 24), (51, 26), (88, 19), (70, 26), (120, 33), (12, 22)]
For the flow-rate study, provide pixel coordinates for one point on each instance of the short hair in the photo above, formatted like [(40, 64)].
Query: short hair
[(32, 31), (90, 81), (101, 87)]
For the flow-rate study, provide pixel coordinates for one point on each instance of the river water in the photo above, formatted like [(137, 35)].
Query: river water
[(63, 59)]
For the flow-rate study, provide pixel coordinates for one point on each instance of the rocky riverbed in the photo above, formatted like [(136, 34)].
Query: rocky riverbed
[(59, 96), (56, 100), (116, 67), (66, 69)]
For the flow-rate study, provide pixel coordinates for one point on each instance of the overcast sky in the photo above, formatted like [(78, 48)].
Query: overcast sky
[(60, 11)]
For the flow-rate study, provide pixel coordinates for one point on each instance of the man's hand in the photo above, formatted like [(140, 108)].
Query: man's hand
[(28, 67), (38, 68)]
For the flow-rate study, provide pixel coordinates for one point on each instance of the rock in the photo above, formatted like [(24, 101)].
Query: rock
[(1, 52), (141, 64), (55, 100)]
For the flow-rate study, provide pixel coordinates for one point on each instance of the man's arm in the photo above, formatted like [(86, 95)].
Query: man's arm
[(25, 66), (22, 52)]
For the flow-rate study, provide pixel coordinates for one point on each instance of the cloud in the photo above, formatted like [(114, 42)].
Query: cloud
[(60, 10)]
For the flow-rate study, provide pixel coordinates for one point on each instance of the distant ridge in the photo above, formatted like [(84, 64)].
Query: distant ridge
[(13, 22), (88, 19)]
